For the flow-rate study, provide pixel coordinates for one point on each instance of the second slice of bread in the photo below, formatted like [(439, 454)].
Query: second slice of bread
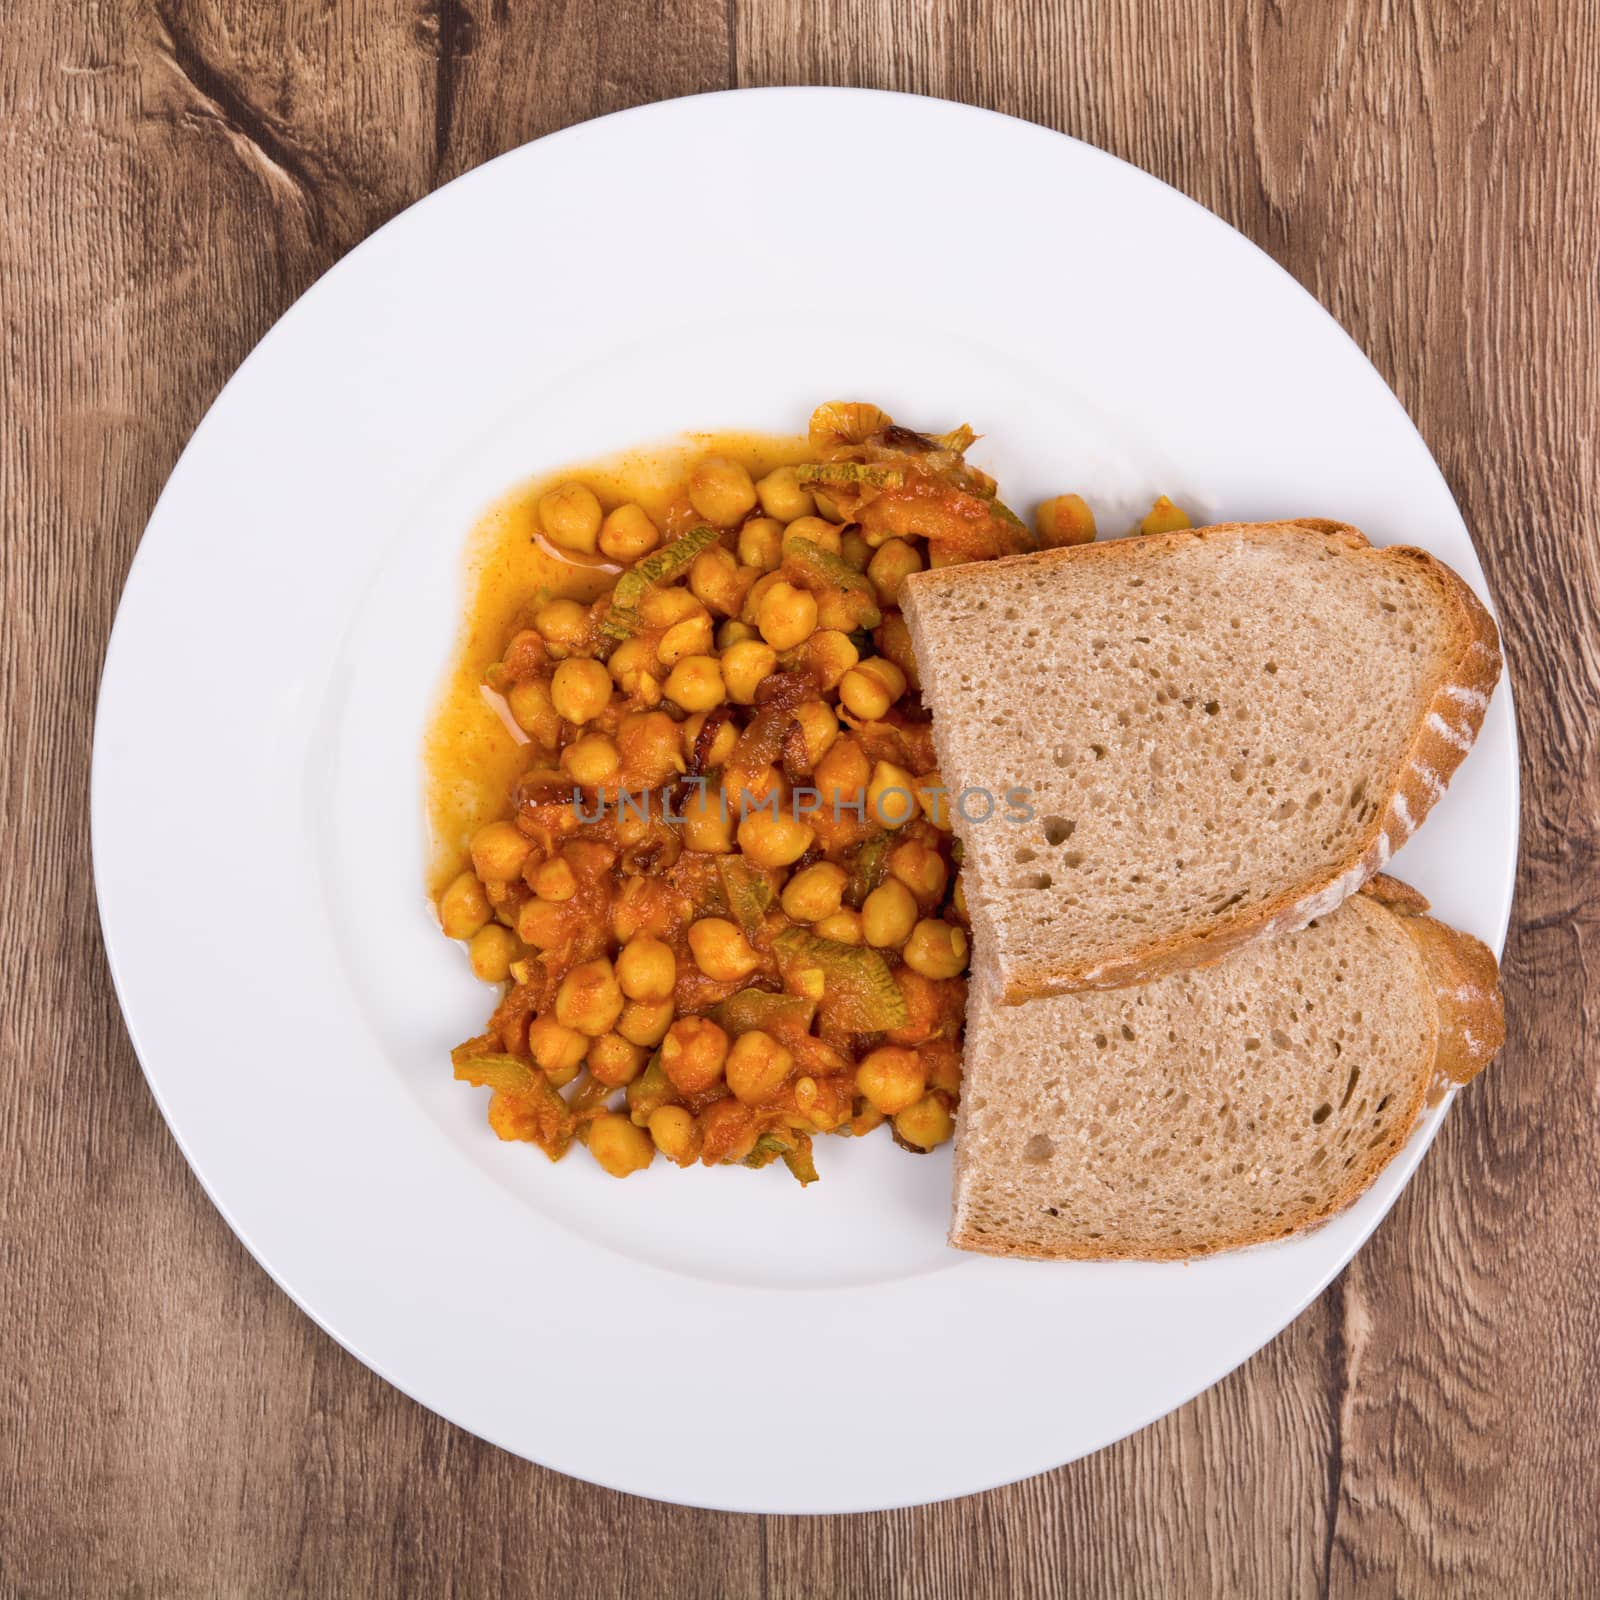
[(1223, 732), (1221, 1106)]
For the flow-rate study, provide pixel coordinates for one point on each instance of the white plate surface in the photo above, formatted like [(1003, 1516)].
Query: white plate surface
[(718, 1338)]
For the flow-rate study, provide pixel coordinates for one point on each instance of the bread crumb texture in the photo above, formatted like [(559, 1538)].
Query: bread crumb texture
[(1216, 1107), (1217, 727)]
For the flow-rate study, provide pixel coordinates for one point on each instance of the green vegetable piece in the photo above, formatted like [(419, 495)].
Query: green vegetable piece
[(747, 889), (811, 561), (958, 439), (768, 1148), (1014, 525), (621, 620), (777, 1014), (859, 994), (651, 1090), (868, 870), (853, 474), (793, 1149), (554, 1122), (800, 1163)]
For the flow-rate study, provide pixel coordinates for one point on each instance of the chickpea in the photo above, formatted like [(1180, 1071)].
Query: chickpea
[(888, 915), (554, 880), (843, 773), (933, 800), (660, 608), (744, 665), (775, 841), (648, 742), (925, 1124), (782, 495), (787, 616), (757, 1066), (695, 683), (580, 690), (830, 654), (628, 533), (525, 656), (463, 907), (728, 1131), (936, 949), (498, 851), (720, 950), (532, 711), (629, 659), (843, 927), (941, 555), (555, 1048), (958, 899), (563, 625), (761, 783), (1164, 517), (708, 821), (590, 858), (559, 1079), (817, 531), (718, 581), (721, 491), (855, 550), (733, 632), (691, 637), (761, 543), (893, 563), (921, 869), (645, 1021), (541, 923), (751, 608), (570, 516), (1064, 520), (868, 690), (819, 727), (616, 1061), (591, 761), (618, 1146), (891, 795), (722, 743), (491, 953), (676, 1134), (826, 508), (647, 969), (692, 1054), (590, 998), (836, 609), (892, 1078), (814, 892)]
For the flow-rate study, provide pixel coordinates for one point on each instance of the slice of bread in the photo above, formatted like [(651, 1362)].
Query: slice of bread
[(1218, 1106), (1225, 732)]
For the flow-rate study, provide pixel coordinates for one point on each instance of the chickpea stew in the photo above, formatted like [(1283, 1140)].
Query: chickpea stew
[(707, 858)]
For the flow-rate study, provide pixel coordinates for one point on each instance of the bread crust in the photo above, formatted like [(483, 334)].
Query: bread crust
[(1444, 734), (1466, 987), (1462, 977)]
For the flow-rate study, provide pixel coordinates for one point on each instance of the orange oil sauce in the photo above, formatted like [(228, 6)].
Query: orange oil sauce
[(473, 751)]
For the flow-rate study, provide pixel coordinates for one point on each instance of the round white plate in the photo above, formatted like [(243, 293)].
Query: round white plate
[(720, 1338)]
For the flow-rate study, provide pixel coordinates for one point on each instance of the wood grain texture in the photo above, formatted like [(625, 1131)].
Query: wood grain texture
[(172, 174)]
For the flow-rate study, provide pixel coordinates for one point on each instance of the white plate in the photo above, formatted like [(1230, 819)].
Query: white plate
[(718, 1338)]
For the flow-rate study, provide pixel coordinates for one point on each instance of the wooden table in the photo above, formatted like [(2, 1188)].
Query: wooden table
[(173, 173)]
